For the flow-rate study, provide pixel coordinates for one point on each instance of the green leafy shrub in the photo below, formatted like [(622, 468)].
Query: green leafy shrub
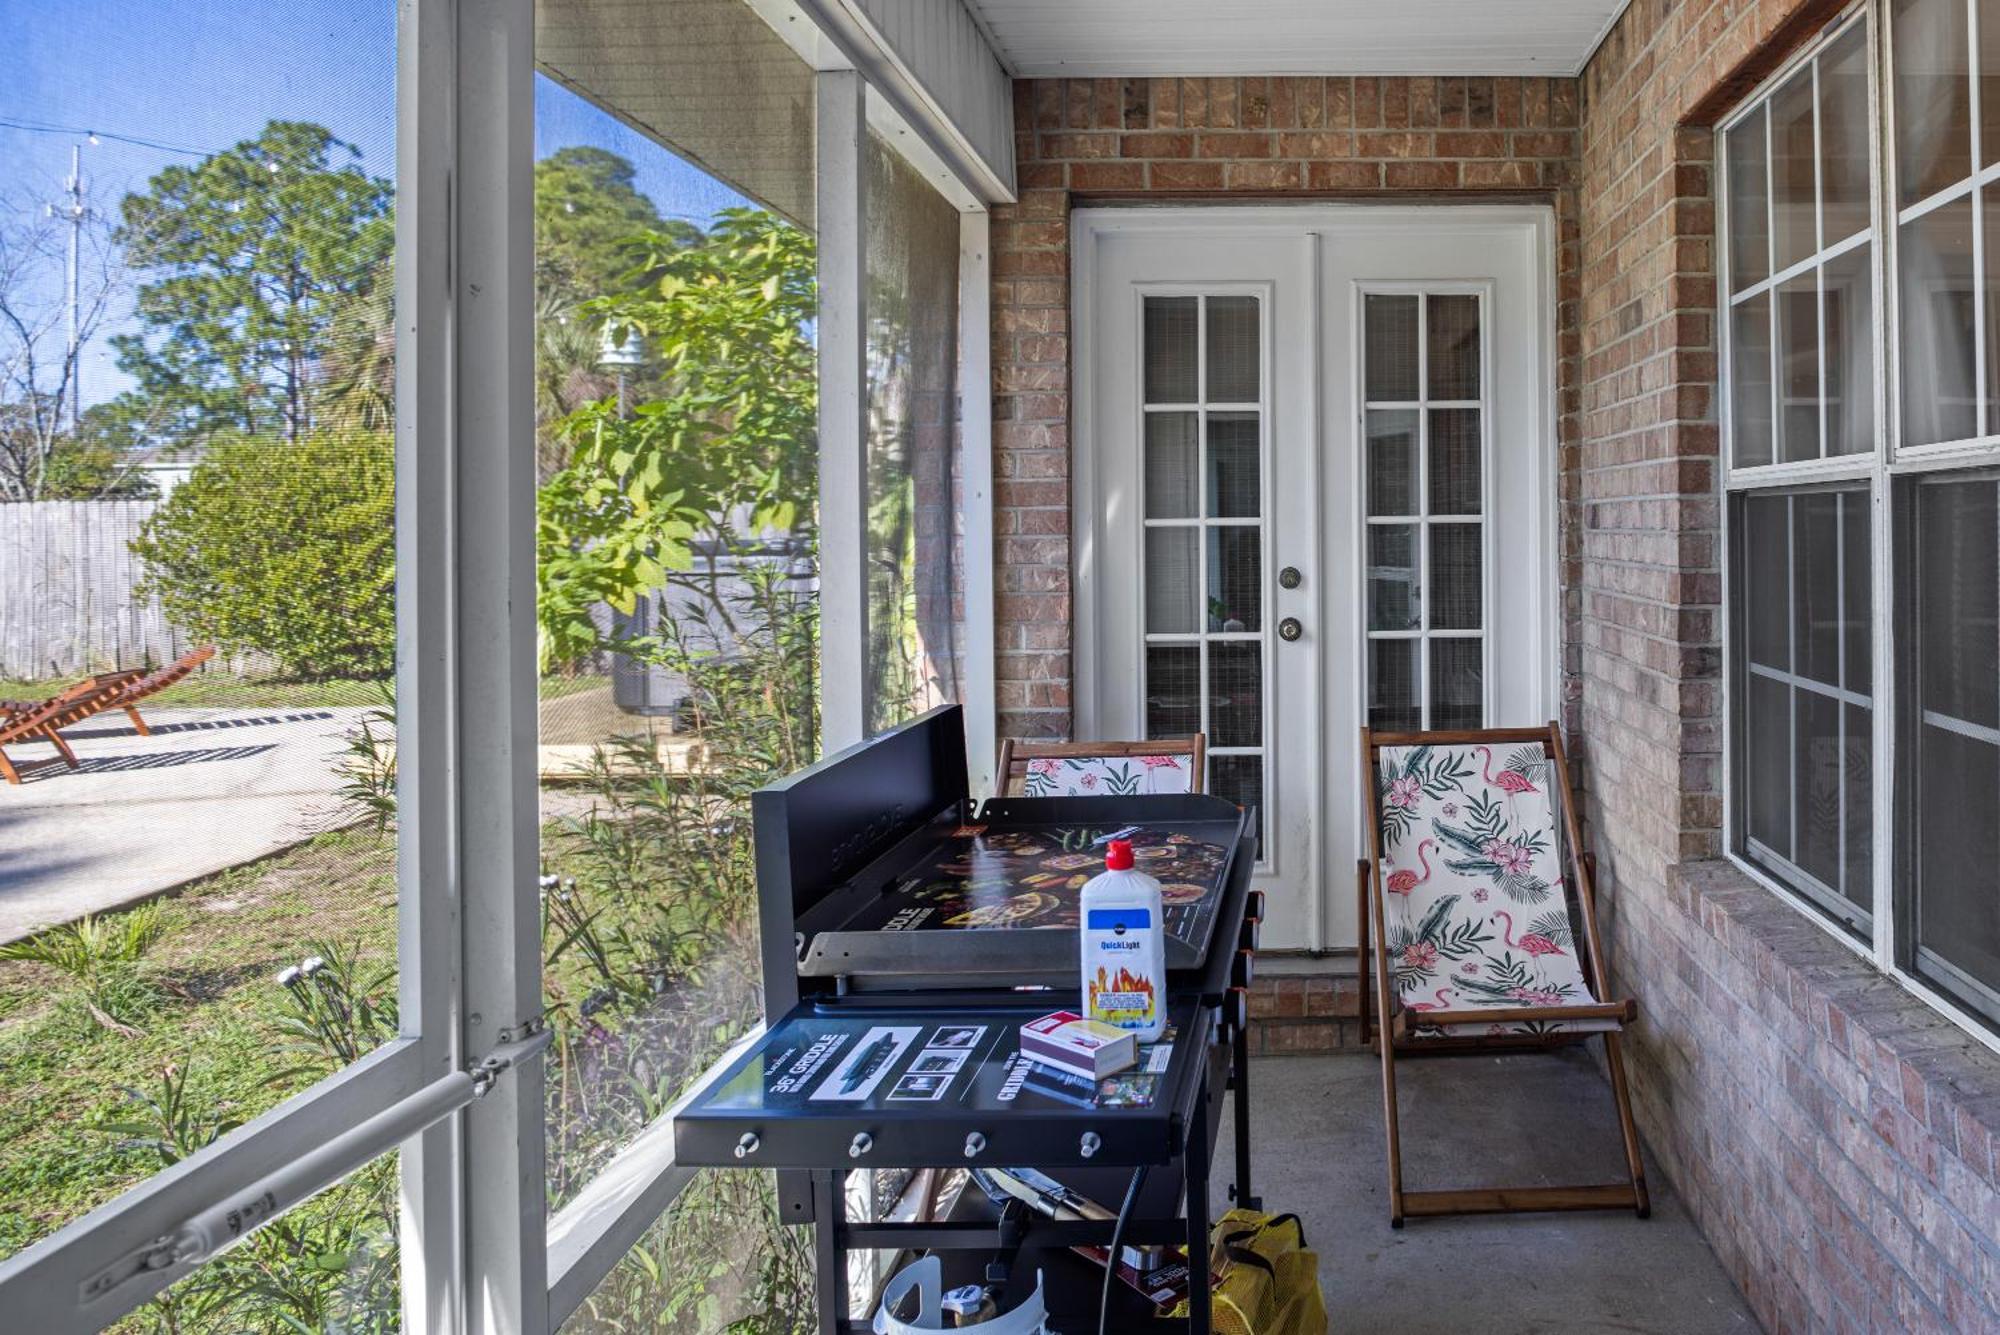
[(286, 549)]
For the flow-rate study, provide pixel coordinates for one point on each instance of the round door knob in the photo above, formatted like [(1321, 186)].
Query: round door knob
[(1290, 578), (1289, 629)]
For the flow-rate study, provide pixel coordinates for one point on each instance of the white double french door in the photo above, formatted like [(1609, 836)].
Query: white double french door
[(1314, 488)]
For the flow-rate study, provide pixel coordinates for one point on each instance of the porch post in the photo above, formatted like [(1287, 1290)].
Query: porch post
[(843, 406), (431, 1211), (493, 288)]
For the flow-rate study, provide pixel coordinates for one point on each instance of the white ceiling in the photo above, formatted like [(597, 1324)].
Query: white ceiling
[(1080, 38)]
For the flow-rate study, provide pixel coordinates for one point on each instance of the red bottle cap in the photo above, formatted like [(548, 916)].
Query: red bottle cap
[(1119, 856)]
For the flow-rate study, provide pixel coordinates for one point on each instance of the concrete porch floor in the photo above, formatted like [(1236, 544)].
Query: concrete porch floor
[(1543, 1119)]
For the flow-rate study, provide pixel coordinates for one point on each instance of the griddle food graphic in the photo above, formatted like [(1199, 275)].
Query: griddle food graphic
[(1032, 878)]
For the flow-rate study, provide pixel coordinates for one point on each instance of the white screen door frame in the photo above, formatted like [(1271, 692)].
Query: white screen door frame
[(1311, 268)]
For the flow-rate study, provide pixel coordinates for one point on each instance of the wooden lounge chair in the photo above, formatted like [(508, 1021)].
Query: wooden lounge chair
[(1102, 769), (138, 686), (1475, 941), (44, 722)]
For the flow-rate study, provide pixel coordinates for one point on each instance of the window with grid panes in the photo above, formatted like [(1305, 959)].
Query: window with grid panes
[(1839, 497)]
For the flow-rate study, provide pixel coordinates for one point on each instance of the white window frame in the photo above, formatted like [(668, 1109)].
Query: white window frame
[(1882, 468), (478, 1250)]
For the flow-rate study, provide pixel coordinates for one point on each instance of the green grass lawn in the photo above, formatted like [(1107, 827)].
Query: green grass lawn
[(213, 969), (223, 690)]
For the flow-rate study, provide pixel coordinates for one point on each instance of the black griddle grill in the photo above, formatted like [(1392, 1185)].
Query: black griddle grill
[(867, 1060)]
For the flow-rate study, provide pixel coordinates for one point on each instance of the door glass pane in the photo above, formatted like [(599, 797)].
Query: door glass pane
[(1989, 82), (1989, 221), (1750, 380), (1172, 340), (1233, 359), (1393, 599), (1457, 683), (1749, 202), (1456, 575), (1938, 309), (1847, 288), (1235, 578), (1843, 136), (1173, 690), (678, 666), (1241, 780), (1389, 347), (1933, 97), (197, 532), (1172, 471), (1452, 337), (1235, 693), (1173, 581), (1798, 368), (1234, 487), (1958, 589), (1793, 184), (1394, 702), (1455, 483), (1392, 461)]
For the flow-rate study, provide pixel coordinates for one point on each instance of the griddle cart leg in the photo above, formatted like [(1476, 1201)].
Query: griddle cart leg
[(1239, 1085), (1200, 1317), (830, 1250)]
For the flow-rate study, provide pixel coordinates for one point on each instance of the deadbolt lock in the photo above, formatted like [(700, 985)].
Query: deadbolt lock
[(1289, 578)]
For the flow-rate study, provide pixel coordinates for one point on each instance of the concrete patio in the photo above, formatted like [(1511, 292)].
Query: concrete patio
[(1317, 1150), (209, 790)]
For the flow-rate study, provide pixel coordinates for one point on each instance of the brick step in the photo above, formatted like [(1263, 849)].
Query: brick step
[(1291, 1013)]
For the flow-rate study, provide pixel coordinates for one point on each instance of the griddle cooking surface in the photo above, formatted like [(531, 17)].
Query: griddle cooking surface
[(1000, 899)]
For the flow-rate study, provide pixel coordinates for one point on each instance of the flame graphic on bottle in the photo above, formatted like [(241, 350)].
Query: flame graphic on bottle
[(1124, 993)]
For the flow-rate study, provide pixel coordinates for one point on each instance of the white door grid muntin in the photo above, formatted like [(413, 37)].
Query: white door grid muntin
[(1316, 262)]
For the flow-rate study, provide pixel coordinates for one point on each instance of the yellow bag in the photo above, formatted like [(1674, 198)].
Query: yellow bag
[(1269, 1279)]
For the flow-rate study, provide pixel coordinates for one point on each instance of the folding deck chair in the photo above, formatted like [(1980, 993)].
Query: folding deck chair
[(44, 721), (1102, 769), (138, 686), (1473, 945)]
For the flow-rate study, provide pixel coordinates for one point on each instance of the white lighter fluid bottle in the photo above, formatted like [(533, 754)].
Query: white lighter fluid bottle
[(1124, 947)]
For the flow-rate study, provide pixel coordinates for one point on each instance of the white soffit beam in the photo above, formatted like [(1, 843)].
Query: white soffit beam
[(1161, 38), (936, 90)]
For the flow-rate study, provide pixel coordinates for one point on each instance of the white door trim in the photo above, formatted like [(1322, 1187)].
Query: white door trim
[(1320, 226)]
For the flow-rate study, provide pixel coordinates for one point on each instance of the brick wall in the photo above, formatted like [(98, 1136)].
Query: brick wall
[(1098, 140), (1832, 1135)]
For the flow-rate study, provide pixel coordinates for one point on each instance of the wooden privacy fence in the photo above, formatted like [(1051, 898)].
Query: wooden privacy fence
[(67, 600)]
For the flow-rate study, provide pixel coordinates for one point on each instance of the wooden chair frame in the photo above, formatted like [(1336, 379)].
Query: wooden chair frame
[(1013, 753), (45, 721), (1394, 1030)]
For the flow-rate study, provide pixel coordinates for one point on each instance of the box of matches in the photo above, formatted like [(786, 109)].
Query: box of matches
[(1070, 1043)]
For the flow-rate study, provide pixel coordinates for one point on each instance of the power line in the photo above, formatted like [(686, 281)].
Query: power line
[(44, 127)]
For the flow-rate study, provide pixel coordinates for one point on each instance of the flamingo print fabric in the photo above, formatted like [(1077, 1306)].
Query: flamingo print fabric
[(1474, 903), (1106, 776)]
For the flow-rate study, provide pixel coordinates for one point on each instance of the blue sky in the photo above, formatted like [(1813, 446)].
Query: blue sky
[(203, 75)]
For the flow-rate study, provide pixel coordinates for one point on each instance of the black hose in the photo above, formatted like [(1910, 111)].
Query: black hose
[(1118, 1245)]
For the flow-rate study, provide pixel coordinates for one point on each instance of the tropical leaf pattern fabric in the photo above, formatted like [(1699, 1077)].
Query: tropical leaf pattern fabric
[(1107, 776), (1474, 902)]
